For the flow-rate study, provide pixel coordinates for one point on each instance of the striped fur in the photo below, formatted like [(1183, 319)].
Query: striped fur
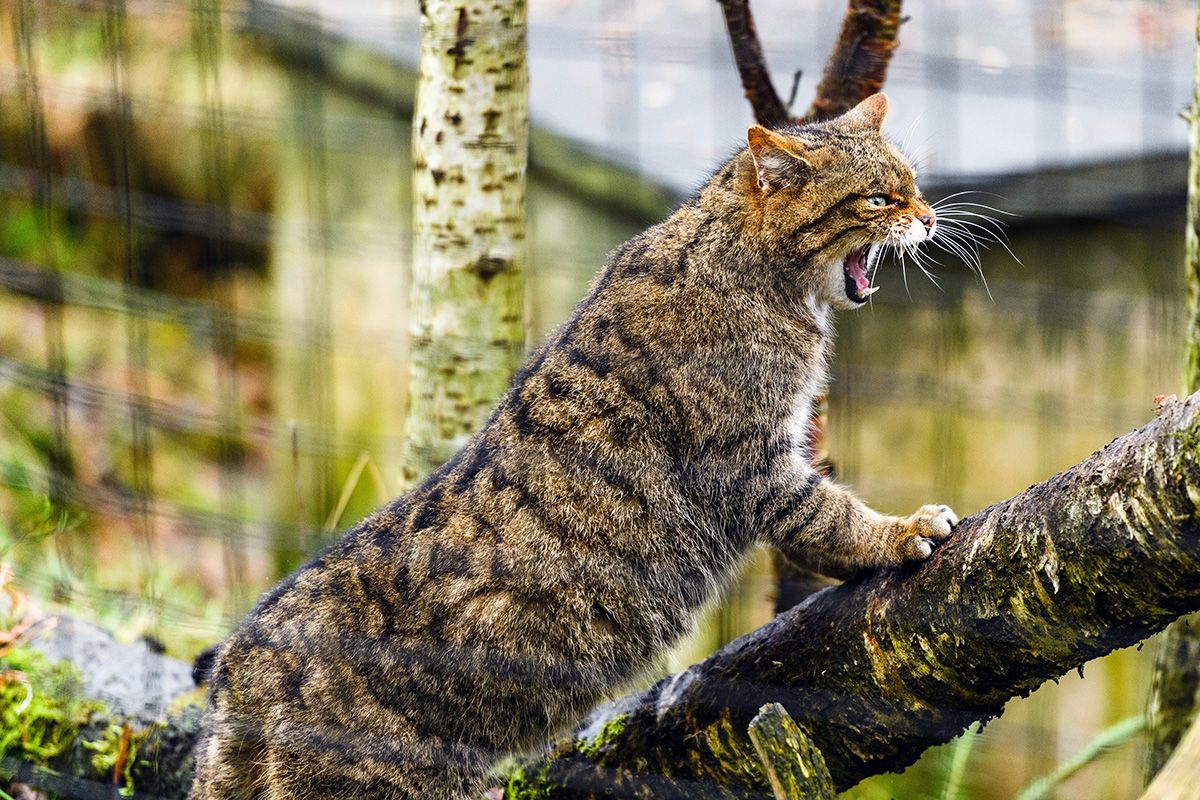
[(635, 458)]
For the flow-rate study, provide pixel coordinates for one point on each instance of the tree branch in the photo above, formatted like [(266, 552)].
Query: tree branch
[(1094, 559), (858, 65), (793, 767), (752, 64), (855, 70)]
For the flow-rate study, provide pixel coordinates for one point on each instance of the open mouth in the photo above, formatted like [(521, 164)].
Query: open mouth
[(856, 267)]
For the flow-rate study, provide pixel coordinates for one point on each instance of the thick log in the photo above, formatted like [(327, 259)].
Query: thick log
[(140, 716), (1096, 558)]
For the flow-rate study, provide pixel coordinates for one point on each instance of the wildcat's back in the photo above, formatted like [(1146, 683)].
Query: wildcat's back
[(634, 460)]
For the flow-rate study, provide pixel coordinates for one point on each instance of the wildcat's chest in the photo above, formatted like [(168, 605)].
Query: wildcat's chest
[(797, 425)]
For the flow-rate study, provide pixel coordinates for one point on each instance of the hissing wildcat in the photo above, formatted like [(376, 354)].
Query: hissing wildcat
[(635, 459)]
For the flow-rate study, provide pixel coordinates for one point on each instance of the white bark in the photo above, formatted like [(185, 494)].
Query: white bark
[(470, 134), (1175, 692)]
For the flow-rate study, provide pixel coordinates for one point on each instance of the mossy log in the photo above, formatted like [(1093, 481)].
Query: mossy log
[(150, 762), (85, 716), (1096, 558)]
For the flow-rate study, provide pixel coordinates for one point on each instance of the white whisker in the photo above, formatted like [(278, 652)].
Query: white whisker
[(959, 214), (989, 233), (960, 205)]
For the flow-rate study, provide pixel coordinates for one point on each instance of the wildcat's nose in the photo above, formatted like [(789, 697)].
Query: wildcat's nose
[(927, 219)]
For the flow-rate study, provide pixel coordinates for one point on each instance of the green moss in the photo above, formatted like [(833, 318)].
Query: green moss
[(1188, 450), (537, 785), (42, 707), (519, 787), (43, 713), (118, 746), (611, 729)]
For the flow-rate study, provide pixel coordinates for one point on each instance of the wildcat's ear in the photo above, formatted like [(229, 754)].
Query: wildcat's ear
[(778, 159), (867, 115)]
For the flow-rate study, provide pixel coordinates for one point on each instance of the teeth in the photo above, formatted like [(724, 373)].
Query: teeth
[(873, 254), (868, 292)]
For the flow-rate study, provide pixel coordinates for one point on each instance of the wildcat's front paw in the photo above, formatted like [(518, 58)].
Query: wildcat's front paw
[(921, 530)]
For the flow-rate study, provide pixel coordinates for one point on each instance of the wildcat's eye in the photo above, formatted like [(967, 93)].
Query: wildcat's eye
[(878, 201)]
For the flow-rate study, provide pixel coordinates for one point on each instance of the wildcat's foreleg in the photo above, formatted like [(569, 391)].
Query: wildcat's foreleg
[(824, 526)]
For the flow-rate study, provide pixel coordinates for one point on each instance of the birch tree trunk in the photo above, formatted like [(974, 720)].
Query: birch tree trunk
[(1176, 687), (470, 132), (1177, 780)]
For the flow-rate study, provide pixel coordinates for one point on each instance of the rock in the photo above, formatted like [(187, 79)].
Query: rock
[(130, 679)]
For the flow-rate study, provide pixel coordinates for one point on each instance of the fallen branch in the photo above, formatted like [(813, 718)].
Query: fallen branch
[(1096, 558), (793, 767)]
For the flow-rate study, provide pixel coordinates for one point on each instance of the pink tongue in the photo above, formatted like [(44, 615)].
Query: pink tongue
[(854, 268)]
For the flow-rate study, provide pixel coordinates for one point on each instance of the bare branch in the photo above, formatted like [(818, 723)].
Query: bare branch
[(858, 65), (751, 64), (793, 766)]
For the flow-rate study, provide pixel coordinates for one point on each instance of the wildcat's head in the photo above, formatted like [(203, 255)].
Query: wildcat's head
[(832, 195)]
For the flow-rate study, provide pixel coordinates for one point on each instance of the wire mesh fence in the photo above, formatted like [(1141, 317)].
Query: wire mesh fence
[(204, 237)]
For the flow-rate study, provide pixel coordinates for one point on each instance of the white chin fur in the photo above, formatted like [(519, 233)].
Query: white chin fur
[(835, 287), (915, 233)]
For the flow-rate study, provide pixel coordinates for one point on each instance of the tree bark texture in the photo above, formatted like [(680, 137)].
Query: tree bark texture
[(1096, 558), (794, 767), (1093, 559), (470, 134), (1175, 690), (856, 68)]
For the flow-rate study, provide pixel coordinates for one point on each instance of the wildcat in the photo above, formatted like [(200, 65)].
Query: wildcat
[(634, 460)]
